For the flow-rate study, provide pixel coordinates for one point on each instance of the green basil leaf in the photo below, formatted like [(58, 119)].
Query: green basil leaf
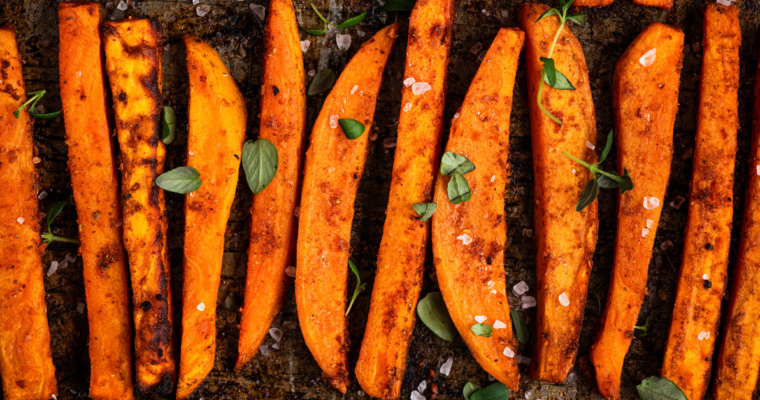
[(180, 180), (566, 6), (550, 73), (606, 182), (52, 210), (453, 162), (425, 210), (322, 82), (607, 147), (482, 330), (518, 325), (579, 19), (547, 13), (458, 189), (352, 21), (496, 391), (351, 128), (656, 388), (169, 119), (398, 5), (561, 82), (315, 32), (626, 182), (433, 313), (588, 196), (469, 389), (260, 162)]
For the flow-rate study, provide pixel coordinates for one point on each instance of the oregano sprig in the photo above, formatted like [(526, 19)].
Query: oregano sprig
[(52, 210), (360, 287), (35, 97), (456, 166), (351, 22), (644, 329), (549, 73)]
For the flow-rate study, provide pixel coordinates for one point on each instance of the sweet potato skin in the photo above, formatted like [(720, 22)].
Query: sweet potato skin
[(217, 116), (708, 226), (564, 256), (273, 220), (333, 168), (645, 100), (96, 190), (471, 276), (664, 4), (592, 3), (401, 257), (133, 62), (26, 362)]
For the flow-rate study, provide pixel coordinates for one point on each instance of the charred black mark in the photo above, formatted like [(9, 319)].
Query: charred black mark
[(146, 306), (709, 246), (275, 90), (707, 284), (4, 66)]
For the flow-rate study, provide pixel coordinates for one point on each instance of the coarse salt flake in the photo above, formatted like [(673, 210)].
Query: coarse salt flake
[(289, 325), (491, 378), (589, 145), (343, 41), (407, 107), (409, 81), (446, 367), (53, 268), (758, 170), (259, 10), (493, 179), (191, 153), (20, 220), (422, 386), (354, 89), (523, 360), (201, 306), (520, 288), (70, 258), (650, 203), (528, 302), (122, 5), (276, 346), (79, 74), (202, 9), (419, 88), (644, 232), (416, 395), (476, 49), (499, 325), (703, 335), (509, 352), (648, 58), (276, 334), (480, 318), (465, 238), (333, 121), (305, 45), (80, 308), (504, 13), (360, 33), (650, 223), (457, 116), (726, 3), (264, 350), (705, 277), (290, 271), (564, 300)]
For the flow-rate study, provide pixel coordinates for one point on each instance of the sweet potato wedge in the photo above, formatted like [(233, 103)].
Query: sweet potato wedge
[(645, 100), (739, 355), (273, 221), (217, 116), (664, 4), (400, 260), (333, 168), (133, 62), (469, 237), (565, 239), (26, 362), (592, 3), (701, 284), (96, 190)]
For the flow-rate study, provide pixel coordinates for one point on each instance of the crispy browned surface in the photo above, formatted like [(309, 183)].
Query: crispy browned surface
[(565, 239), (96, 190), (133, 61), (708, 227), (273, 221), (592, 3), (333, 168), (645, 101), (664, 4), (26, 363), (471, 275), (400, 260), (217, 116)]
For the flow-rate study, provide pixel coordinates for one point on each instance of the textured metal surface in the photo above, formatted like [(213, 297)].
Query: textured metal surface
[(237, 34)]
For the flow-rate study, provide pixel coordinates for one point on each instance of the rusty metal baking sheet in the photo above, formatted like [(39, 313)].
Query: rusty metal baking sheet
[(237, 33)]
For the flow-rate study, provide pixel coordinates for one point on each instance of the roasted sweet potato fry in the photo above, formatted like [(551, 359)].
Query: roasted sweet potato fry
[(592, 3), (645, 101), (702, 280), (26, 362), (469, 237), (739, 357), (664, 4), (565, 239), (273, 221), (382, 360), (217, 116), (333, 168), (133, 62), (96, 191)]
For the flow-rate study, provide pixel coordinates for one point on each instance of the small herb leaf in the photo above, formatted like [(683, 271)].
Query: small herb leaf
[(644, 329), (626, 183), (496, 391), (561, 82), (424, 210), (52, 210), (260, 162), (656, 388), (352, 21), (469, 389), (169, 119), (319, 15), (433, 313), (551, 72), (607, 148), (351, 128), (518, 325), (360, 287), (453, 162), (579, 19), (548, 13), (588, 196), (605, 182), (482, 330), (315, 32), (33, 99), (398, 5), (180, 180), (458, 189), (322, 82), (566, 6)]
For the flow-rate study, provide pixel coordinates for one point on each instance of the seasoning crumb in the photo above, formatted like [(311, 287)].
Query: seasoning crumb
[(259, 10), (80, 308), (644, 232), (703, 335), (590, 146), (333, 121)]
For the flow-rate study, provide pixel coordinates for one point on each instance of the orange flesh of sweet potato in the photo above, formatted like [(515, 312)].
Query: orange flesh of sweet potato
[(273, 221), (469, 238), (565, 239), (645, 100), (217, 116), (400, 260), (333, 168), (96, 191), (664, 4), (695, 320), (26, 362), (739, 357), (592, 3), (133, 62)]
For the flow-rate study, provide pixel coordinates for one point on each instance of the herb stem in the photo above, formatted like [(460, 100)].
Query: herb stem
[(320, 15), (49, 238), (556, 37), (541, 106), (576, 159), (607, 174)]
